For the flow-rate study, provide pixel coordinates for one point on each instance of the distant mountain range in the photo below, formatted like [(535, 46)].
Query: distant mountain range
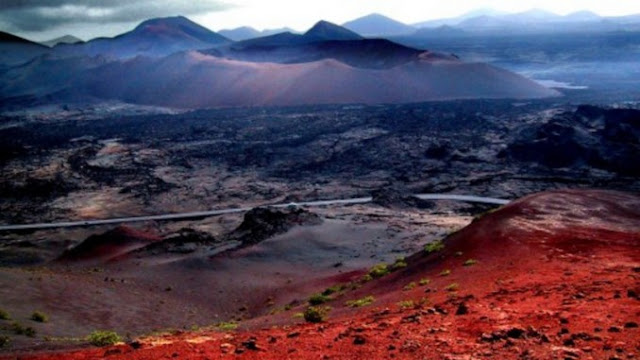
[(378, 25), (176, 62), (155, 37), (247, 32), (67, 39)]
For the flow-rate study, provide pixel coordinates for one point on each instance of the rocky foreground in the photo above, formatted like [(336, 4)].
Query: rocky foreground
[(553, 275)]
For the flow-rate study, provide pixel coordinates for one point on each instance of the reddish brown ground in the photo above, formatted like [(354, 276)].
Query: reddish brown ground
[(557, 276)]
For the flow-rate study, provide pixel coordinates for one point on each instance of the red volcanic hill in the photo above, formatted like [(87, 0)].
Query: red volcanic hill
[(108, 246), (195, 80), (553, 275)]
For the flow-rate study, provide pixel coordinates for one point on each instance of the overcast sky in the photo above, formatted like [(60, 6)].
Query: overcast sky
[(46, 19)]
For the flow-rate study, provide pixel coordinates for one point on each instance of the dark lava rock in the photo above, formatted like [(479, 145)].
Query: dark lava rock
[(262, 223), (109, 244), (359, 340), (463, 309), (185, 241), (608, 139), (394, 197)]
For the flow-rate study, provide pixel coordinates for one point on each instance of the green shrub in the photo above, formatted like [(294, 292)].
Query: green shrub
[(227, 326), (18, 329), (409, 286), (103, 338), (317, 299), (367, 300), (4, 341), (4, 315), (298, 315), (452, 287), (445, 272), (424, 281), (399, 264), (470, 262), (406, 304), (316, 314), (39, 316), (434, 246), (379, 270), (334, 289), (366, 278)]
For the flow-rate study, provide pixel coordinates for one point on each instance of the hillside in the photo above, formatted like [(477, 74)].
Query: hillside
[(551, 275), (154, 37)]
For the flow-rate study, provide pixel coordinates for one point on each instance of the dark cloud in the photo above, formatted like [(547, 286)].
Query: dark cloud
[(42, 15)]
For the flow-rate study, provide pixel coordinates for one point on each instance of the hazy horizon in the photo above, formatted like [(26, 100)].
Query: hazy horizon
[(41, 21)]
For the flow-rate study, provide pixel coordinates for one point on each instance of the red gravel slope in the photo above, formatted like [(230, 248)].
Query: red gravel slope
[(554, 275)]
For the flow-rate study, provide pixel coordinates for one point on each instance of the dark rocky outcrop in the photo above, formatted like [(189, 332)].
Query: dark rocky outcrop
[(262, 223), (608, 139)]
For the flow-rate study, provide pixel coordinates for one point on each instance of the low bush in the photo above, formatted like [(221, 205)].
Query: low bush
[(424, 281), (445, 272), (367, 300), (410, 286), (227, 326), (4, 315), (399, 264), (379, 270), (406, 304), (103, 338), (317, 299), (334, 289), (452, 287), (4, 341), (434, 246), (39, 316), (316, 314), (470, 262), (18, 329)]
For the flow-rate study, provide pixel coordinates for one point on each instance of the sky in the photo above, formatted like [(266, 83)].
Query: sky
[(41, 20)]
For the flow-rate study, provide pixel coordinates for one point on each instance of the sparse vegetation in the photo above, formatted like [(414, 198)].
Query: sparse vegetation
[(316, 314), (4, 315), (103, 338), (399, 263), (452, 287), (4, 341), (406, 304), (317, 299), (458, 253), (367, 300), (39, 316), (227, 326), (470, 262), (424, 281), (366, 278), (410, 286), (445, 272), (18, 329), (379, 270), (434, 246), (298, 315), (334, 289)]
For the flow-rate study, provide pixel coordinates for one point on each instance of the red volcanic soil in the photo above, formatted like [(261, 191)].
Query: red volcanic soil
[(554, 275)]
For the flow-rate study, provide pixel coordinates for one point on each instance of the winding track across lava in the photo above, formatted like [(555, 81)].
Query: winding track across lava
[(201, 214)]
